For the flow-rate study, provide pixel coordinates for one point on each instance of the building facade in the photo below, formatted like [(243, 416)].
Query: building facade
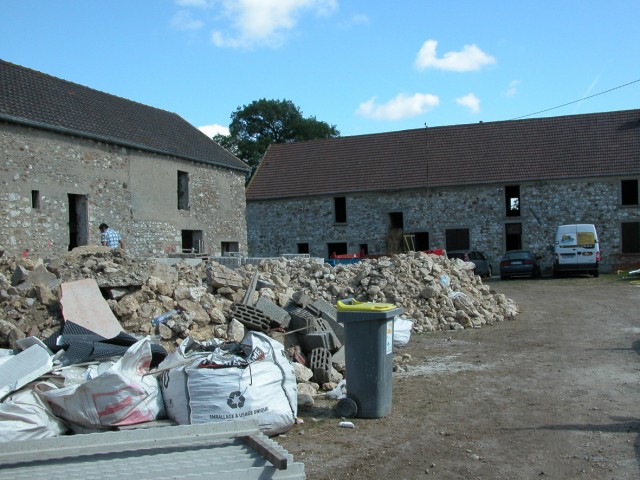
[(490, 186), (73, 158)]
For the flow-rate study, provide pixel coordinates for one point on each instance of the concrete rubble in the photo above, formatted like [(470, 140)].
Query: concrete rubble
[(291, 300)]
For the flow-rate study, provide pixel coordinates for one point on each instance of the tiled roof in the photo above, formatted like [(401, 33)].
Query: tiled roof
[(33, 98), (567, 147)]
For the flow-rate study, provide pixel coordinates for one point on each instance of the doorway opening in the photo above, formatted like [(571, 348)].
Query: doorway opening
[(192, 241), (513, 236), (339, 248), (78, 221)]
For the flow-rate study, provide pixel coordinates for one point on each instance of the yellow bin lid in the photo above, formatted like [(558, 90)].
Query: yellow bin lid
[(355, 306)]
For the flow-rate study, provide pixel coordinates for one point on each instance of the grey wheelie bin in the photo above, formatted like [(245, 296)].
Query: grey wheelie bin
[(368, 342)]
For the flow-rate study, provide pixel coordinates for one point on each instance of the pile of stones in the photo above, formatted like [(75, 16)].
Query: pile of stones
[(291, 299)]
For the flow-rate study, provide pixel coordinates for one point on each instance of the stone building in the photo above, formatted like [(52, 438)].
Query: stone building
[(73, 157), (492, 186)]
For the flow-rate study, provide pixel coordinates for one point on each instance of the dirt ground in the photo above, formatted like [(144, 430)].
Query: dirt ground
[(553, 394)]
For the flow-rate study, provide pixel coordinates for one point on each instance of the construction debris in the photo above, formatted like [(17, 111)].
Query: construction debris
[(289, 300)]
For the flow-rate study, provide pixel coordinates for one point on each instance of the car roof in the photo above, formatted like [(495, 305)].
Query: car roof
[(515, 252)]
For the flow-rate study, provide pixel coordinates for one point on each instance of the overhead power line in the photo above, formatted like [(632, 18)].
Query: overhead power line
[(576, 101)]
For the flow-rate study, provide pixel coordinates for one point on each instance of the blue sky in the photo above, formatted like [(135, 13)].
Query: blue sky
[(363, 66)]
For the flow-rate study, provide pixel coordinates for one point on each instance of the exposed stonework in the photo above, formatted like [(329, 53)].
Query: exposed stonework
[(134, 192), (276, 227)]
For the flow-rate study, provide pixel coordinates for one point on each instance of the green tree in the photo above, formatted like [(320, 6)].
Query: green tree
[(256, 126)]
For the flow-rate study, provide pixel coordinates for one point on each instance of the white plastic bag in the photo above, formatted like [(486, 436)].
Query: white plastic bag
[(339, 392), (24, 416), (401, 331), (122, 395)]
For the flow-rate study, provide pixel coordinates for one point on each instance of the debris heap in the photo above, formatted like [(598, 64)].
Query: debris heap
[(435, 292)]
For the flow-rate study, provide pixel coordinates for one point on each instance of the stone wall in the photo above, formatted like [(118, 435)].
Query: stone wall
[(133, 191), (278, 226)]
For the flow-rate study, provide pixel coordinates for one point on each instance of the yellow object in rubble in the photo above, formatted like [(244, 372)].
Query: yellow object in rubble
[(355, 306)]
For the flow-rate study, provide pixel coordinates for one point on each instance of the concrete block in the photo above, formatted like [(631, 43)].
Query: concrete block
[(251, 317), (302, 321), (338, 357), (252, 287), (314, 340), (329, 313), (277, 314), (322, 325), (320, 365)]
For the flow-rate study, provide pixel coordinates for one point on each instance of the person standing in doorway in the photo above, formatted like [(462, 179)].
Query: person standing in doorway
[(109, 237)]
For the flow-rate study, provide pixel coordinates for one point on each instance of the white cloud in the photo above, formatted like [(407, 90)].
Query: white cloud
[(184, 21), (265, 22), (193, 3), (211, 130), (360, 18), (470, 58), (512, 89), (402, 106), (470, 101)]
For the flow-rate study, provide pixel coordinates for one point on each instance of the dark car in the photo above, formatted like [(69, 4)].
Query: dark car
[(482, 265), (516, 263)]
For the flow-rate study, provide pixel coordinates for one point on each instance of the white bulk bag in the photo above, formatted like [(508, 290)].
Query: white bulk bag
[(24, 416), (219, 387), (122, 395)]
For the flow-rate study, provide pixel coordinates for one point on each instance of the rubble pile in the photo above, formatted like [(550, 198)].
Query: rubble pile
[(435, 292), (104, 311)]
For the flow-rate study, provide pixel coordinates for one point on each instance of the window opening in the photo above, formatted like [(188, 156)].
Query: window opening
[(229, 247), (512, 200), (183, 190), (630, 237), (340, 209), (35, 199), (629, 192), (396, 220), (303, 248), (364, 248), (457, 239)]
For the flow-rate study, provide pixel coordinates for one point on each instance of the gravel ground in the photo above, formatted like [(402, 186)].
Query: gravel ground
[(553, 394)]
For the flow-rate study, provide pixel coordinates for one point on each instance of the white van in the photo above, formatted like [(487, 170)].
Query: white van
[(576, 250)]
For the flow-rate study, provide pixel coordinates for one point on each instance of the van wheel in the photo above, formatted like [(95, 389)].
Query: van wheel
[(596, 273), (503, 277)]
